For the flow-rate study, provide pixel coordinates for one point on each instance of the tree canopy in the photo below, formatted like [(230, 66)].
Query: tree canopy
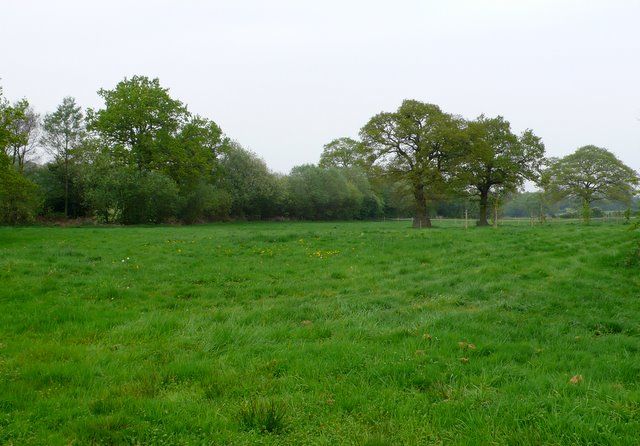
[(138, 121), (64, 133), (346, 153), (496, 158), (19, 198), (418, 143), (589, 174)]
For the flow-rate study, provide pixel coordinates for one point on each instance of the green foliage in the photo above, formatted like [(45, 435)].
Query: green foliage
[(498, 160), (63, 130), (418, 143), (347, 153), (192, 156), (317, 193), (23, 124), (142, 128), (139, 121), (19, 197), (372, 204), (526, 204), (589, 174), (12, 134), (204, 202), (256, 193), (63, 138), (61, 189), (127, 196), (397, 197)]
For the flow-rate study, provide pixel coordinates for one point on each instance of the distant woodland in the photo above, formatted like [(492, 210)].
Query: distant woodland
[(144, 158)]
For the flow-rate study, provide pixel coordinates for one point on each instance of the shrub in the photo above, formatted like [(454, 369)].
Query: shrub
[(123, 195), (19, 197)]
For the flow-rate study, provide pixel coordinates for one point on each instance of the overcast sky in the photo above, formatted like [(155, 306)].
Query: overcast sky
[(285, 77)]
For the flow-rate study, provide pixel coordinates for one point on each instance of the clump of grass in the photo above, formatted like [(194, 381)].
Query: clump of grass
[(264, 416), (633, 258)]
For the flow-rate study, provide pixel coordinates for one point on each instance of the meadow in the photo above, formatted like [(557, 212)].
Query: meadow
[(363, 333)]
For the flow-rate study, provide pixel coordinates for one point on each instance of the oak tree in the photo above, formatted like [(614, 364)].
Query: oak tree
[(589, 174), (419, 144), (497, 159)]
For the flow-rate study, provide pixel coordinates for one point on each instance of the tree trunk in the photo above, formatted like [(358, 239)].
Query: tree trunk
[(586, 211), (484, 203), (421, 220), (66, 188)]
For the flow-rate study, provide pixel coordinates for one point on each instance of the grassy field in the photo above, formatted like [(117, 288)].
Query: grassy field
[(320, 334)]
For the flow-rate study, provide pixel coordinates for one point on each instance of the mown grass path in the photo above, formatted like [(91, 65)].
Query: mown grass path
[(319, 333)]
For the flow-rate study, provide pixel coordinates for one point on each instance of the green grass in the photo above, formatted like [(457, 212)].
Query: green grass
[(319, 333)]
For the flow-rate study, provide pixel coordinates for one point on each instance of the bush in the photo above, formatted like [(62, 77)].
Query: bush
[(19, 197), (122, 195), (204, 202), (256, 193), (317, 193)]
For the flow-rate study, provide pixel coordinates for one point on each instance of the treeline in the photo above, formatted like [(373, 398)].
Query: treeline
[(144, 158)]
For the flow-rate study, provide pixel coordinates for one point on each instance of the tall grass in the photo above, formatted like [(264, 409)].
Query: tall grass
[(310, 333)]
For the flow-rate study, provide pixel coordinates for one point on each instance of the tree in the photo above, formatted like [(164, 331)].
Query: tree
[(317, 193), (63, 134), (498, 159), (346, 153), (372, 202), (589, 174), (10, 116), (142, 127), (255, 191), (192, 156), (420, 144), (138, 121), (19, 199), (194, 164), (25, 127), (121, 194)]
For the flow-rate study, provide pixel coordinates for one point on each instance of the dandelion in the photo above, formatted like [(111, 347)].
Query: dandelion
[(322, 254)]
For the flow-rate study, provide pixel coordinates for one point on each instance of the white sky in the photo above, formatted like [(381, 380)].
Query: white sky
[(285, 77)]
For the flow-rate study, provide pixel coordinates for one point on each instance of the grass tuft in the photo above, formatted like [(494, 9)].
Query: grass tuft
[(264, 416)]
